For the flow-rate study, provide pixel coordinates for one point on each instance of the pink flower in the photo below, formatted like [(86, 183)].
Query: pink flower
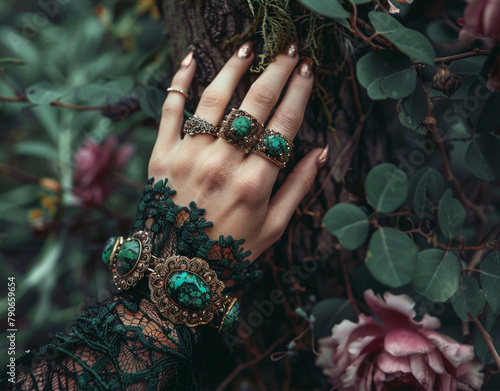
[(397, 352), (481, 21), (94, 167)]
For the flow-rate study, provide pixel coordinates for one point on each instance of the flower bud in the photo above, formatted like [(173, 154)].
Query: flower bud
[(446, 81)]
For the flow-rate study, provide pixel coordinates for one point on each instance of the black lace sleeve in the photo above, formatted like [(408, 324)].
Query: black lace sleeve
[(125, 344)]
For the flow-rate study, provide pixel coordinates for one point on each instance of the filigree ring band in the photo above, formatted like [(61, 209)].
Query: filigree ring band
[(197, 125)]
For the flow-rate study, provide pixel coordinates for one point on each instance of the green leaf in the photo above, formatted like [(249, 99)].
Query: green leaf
[(329, 8), (429, 190), (361, 1), (152, 105), (490, 280), (348, 223), (10, 62), (437, 274), (451, 215), (386, 187), (409, 41), (400, 84), (386, 73), (468, 301), (414, 108), (482, 157), (37, 149), (391, 257), (441, 32), (330, 312), (105, 91), (44, 93)]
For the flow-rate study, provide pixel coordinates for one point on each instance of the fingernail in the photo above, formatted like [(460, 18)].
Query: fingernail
[(292, 50), (245, 50), (305, 69), (323, 157), (187, 60)]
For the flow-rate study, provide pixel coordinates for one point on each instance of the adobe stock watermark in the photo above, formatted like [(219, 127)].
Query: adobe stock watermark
[(34, 23), (266, 308)]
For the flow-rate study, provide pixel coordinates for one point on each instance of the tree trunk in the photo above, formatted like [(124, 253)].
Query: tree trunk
[(205, 26)]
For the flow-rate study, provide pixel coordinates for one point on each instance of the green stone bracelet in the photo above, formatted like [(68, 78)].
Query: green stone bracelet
[(184, 290)]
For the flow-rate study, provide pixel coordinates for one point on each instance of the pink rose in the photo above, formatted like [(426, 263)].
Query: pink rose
[(397, 352), (481, 21), (94, 167)]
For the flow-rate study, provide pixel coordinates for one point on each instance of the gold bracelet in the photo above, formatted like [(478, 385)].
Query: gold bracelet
[(184, 290)]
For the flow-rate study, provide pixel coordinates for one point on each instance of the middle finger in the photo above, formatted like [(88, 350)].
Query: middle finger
[(265, 92)]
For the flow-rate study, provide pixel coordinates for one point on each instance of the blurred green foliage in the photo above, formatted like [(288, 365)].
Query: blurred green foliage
[(86, 55)]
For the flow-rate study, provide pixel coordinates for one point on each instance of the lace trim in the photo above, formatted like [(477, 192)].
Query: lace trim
[(181, 230)]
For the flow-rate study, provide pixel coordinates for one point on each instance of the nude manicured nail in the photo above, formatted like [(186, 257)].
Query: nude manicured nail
[(245, 50), (305, 69), (292, 50), (187, 60), (323, 157)]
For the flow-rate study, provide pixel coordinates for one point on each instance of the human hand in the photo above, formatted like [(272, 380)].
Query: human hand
[(234, 187)]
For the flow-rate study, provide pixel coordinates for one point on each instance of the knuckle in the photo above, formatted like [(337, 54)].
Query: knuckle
[(212, 99), (215, 174), (288, 119), (263, 95), (169, 108), (248, 189), (181, 167)]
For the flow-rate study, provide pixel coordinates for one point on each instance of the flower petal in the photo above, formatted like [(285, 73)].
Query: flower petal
[(393, 364), (395, 311), (403, 342), (455, 352), (421, 372)]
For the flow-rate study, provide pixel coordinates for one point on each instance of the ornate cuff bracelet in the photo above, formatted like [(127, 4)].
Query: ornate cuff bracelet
[(184, 290)]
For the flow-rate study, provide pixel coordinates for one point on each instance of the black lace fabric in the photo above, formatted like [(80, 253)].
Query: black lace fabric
[(125, 344)]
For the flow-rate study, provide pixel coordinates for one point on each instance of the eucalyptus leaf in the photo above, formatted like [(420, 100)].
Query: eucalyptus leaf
[(386, 73), (348, 223), (492, 326), (429, 190), (44, 92), (437, 274), (409, 41), (468, 301), (330, 8), (414, 108), (482, 157), (451, 215), (391, 257), (36, 149), (386, 187), (490, 280)]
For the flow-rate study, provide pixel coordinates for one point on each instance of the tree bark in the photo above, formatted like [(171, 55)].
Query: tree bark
[(205, 26)]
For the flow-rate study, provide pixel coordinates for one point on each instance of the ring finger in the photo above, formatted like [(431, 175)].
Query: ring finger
[(217, 95)]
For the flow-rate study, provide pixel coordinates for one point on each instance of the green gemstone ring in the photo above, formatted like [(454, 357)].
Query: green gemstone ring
[(240, 129), (274, 146)]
